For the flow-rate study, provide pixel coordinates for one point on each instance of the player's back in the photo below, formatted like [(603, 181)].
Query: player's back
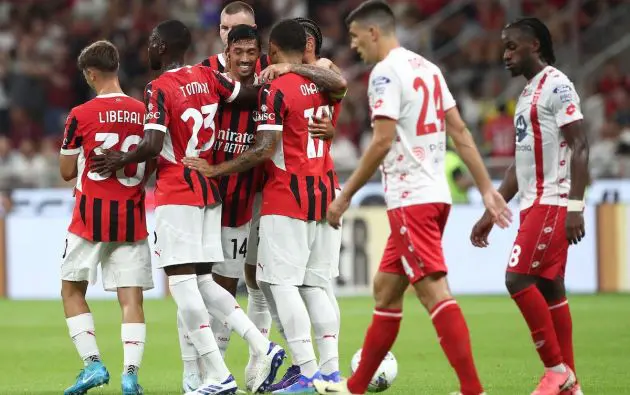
[(183, 104), (300, 176), (109, 207), (411, 90)]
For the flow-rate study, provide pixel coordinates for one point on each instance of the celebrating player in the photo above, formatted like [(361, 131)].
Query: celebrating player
[(549, 173), (233, 14), (181, 107), (298, 188), (411, 105), (108, 223)]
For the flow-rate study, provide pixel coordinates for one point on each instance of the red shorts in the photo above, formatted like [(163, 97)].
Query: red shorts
[(414, 246), (541, 246)]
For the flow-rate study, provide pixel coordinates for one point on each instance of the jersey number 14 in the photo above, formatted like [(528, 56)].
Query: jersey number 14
[(422, 127)]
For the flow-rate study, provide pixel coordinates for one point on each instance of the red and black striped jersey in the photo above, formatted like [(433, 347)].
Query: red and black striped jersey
[(183, 104), (300, 179), (236, 133), (108, 207), (219, 63)]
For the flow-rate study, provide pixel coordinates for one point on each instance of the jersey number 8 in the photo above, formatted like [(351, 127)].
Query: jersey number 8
[(108, 141)]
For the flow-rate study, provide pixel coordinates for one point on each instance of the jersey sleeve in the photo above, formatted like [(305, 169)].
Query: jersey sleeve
[(564, 103), (72, 138), (271, 109), (155, 101), (448, 101), (225, 87), (384, 92)]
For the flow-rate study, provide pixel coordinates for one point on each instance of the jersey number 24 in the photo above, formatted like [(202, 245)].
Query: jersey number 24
[(422, 127)]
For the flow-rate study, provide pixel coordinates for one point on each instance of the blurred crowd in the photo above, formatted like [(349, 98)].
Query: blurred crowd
[(39, 82)]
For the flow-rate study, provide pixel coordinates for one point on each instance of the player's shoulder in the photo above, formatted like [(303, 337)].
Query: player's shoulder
[(558, 83)]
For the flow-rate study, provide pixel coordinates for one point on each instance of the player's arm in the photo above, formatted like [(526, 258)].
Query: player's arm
[(509, 186), (70, 149), (233, 91), (326, 79), (575, 136)]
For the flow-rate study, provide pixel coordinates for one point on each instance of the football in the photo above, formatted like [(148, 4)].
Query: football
[(385, 374)]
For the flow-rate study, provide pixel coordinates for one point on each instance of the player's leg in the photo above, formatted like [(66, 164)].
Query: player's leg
[(127, 270), (534, 256), (224, 308), (80, 260), (281, 270), (179, 231), (420, 243)]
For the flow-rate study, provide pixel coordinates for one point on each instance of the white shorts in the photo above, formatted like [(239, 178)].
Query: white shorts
[(254, 237), (296, 252), (235, 245), (187, 234), (122, 264)]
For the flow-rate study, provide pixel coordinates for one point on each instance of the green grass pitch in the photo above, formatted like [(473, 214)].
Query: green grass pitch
[(37, 357)]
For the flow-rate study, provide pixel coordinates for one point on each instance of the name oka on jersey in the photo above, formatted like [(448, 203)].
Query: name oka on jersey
[(543, 159), (409, 89), (300, 180), (182, 103), (109, 207)]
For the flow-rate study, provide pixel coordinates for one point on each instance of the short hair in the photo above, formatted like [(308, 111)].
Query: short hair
[(312, 29), (238, 6), (101, 55), (243, 32), (538, 30), (289, 36), (374, 12), (175, 35)]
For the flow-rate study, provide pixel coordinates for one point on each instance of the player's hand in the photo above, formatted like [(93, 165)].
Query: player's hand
[(574, 225), (336, 210), (108, 161), (481, 230), (274, 71), (324, 62), (322, 128), (199, 164), (497, 208)]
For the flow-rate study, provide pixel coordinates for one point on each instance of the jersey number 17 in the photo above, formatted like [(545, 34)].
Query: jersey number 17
[(315, 147)]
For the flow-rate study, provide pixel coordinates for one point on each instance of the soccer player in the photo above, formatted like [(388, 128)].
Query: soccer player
[(549, 173), (412, 108), (299, 186), (180, 121), (233, 14), (108, 223)]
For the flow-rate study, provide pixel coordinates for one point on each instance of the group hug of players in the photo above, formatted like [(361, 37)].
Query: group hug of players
[(246, 187)]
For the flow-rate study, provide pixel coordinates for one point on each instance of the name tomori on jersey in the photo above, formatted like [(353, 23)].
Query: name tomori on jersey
[(194, 88), (120, 116)]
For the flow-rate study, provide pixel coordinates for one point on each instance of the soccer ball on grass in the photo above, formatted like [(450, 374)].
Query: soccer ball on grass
[(385, 374)]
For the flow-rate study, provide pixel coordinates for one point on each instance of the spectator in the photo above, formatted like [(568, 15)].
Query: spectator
[(498, 134), (602, 158), (29, 166), (6, 163)]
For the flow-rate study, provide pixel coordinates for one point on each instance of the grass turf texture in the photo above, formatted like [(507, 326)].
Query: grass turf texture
[(37, 357)]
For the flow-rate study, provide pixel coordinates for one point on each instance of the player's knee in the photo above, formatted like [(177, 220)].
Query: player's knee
[(250, 276), (515, 282), (432, 290), (72, 291)]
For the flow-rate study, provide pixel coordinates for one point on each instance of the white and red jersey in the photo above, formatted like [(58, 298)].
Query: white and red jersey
[(411, 90), (183, 104), (109, 207), (543, 159)]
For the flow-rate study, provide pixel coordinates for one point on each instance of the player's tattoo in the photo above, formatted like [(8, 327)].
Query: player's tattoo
[(263, 149), (326, 79)]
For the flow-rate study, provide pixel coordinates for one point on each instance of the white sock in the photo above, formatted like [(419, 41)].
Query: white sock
[(224, 307), (325, 327), (294, 317), (258, 310), (188, 352), (133, 337), (335, 304), (265, 288), (222, 333), (196, 320), (81, 329)]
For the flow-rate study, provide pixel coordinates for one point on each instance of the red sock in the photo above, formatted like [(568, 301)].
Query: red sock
[(561, 316), (536, 313), (378, 341), (452, 332)]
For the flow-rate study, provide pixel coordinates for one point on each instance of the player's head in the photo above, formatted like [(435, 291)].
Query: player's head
[(243, 50), (235, 13), (369, 25), (286, 40), (168, 42), (313, 39), (98, 61), (526, 41)]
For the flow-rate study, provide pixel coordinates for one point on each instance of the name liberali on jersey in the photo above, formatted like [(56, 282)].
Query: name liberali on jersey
[(120, 116)]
